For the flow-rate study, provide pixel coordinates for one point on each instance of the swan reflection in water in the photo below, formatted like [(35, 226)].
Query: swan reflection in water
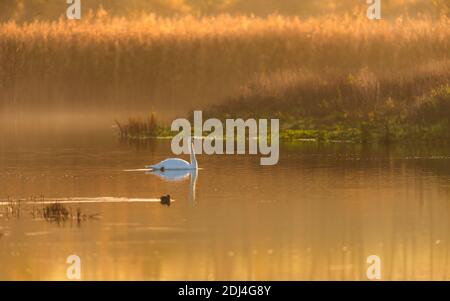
[(175, 169), (179, 175)]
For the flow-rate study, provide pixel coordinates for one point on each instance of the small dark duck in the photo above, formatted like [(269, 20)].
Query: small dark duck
[(165, 200)]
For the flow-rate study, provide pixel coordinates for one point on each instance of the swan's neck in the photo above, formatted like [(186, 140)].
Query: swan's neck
[(193, 160)]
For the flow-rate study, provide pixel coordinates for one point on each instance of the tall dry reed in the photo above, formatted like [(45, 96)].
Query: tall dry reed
[(188, 62)]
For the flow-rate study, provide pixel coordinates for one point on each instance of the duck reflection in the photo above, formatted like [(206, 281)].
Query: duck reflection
[(179, 175)]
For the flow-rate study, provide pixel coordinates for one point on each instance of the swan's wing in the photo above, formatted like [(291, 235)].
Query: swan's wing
[(169, 164)]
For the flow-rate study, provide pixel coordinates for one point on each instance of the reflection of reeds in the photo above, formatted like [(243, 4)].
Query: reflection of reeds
[(41, 208), (59, 213), (138, 144), (10, 209), (56, 212)]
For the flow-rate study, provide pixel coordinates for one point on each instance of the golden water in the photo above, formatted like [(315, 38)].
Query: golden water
[(317, 215)]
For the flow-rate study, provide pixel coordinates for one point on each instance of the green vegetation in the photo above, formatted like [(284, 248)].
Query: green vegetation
[(345, 115), (137, 128), (426, 120)]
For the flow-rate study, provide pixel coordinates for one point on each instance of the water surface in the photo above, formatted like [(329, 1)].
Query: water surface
[(317, 215)]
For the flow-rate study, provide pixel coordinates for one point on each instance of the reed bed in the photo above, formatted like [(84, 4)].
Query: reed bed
[(177, 63), (363, 107), (23, 10), (39, 208), (356, 95), (137, 127)]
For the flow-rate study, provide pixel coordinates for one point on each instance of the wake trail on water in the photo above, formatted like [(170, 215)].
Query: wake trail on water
[(81, 200)]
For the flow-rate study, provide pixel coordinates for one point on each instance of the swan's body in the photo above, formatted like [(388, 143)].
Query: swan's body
[(176, 163), (171, 164)]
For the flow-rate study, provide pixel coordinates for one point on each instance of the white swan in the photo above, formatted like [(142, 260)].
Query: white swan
[(175, 163)]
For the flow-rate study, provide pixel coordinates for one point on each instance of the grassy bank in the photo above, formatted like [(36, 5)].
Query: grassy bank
[(143, 128), (363, 109), (424, 120)]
